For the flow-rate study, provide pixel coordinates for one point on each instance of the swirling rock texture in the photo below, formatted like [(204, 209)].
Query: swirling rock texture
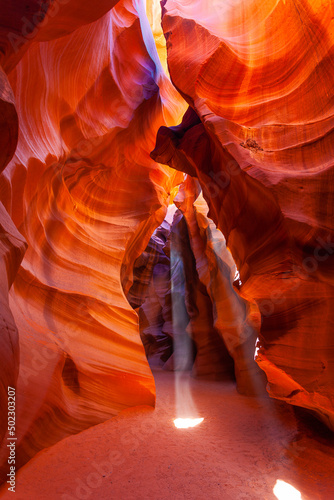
[(188, 309), (150, 296), (86, 195), (23, 23), (259, 136), (207, 355), (12, 248), (82, 97), (234, 322), (161, 292)]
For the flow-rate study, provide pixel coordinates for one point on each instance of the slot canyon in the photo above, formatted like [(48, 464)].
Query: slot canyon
[(167, 249)]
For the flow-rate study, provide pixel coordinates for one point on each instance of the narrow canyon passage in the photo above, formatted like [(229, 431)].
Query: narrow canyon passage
[(166, 205), (241, 449)]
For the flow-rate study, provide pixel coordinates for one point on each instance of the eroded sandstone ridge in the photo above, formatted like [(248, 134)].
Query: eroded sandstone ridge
[(258, 77), (83, 92), (12, 248), (225, 326), (90, 95)]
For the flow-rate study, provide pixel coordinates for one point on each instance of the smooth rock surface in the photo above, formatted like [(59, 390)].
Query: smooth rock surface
[(86, 195), (259, 137)]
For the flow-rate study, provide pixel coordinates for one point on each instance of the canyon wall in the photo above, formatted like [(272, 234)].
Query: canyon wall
[(85, 194), (228, 324), (191, 314), (150, 296), (86, 178), (12, 248), (259, 137)]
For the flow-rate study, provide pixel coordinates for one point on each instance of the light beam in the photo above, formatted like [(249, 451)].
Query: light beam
[(185, 423), (284, 491)]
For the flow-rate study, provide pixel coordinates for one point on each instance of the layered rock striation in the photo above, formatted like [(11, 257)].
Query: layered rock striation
[(86, 195), (259, 137), (83, 94), (234, 322)]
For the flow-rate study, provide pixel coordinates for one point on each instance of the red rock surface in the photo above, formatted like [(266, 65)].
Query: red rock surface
[(233, 319), (86, 195), (12, 247), (83, 94), (180, 325), (260, 141)]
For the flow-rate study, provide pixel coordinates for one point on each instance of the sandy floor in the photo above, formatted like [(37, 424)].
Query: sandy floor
[(241, 449)]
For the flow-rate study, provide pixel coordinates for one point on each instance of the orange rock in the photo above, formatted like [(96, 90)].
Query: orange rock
[(42, 20), (89, 110), (82, 96), (12, 247), (260, 141), (232, 315), (8, 122)]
